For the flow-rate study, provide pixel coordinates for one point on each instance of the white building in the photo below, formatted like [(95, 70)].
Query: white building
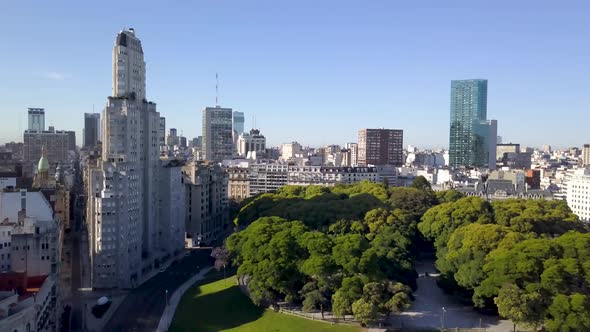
[(124, 190), (269, 177), (329, 175), (28, 290), (252, 143), (290, 150), (354, 151), (578, 193)]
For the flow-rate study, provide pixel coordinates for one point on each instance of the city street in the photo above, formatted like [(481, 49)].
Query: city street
[(142, 308)]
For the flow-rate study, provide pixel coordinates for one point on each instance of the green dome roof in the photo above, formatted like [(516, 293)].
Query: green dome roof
[(43, 164)]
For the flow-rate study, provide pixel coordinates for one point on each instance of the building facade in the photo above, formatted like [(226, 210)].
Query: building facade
[(251, 144), (58, 144), (36, 119), (578, 193), (238, 123), (218, 141), (207, 215), (124, 187), (586, 155), (380, 147), (91, 130), (172, 210), (470, 139), (162, 131), (238, 185)]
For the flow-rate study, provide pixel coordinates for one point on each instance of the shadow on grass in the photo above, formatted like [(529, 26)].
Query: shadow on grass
[(217, 310)]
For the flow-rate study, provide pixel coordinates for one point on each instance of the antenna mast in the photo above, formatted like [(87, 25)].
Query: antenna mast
[(216, 90)]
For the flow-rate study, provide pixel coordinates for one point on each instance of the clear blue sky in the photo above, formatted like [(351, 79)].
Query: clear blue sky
[(311, 71)]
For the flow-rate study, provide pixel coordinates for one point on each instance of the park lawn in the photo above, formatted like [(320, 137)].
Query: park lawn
[(221, 306)]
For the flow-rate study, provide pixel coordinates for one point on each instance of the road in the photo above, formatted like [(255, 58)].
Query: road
[(77, 233), (142, 308)]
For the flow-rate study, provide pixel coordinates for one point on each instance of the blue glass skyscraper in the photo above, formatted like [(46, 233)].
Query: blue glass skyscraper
[(470, 141)]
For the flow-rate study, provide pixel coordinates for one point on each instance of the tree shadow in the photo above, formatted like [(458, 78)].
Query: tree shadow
[(222, 310)]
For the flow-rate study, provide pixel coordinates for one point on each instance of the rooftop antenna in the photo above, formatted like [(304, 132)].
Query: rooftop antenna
[(216, 90)]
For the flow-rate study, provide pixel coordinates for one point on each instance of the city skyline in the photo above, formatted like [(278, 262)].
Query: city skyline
[(389, 75)]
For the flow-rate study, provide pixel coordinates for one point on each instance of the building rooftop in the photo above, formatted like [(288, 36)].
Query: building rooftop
[(36, 205)]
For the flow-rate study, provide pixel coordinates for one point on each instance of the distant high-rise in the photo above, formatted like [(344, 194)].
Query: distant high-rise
[(162, 131), (586, 155), (172, 139), (238, 123), (58, 143), (470, 143), (91, 129), (36, 119), (251, 142), (380, 147), (217, 133), (354, 151)]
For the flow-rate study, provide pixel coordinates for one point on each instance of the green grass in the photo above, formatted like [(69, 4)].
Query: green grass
[(221, 306)]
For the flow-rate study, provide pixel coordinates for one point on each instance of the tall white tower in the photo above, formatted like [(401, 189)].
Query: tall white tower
[(128, 66), (126, 188)]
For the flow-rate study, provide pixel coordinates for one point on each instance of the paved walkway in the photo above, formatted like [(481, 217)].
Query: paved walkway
[(427, 309), (174, 300)]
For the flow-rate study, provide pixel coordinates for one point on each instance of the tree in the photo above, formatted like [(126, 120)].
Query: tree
[(539, 216), (448, 196), (364, 311), (468, 247), (350, 291), (421, 183), (569, 313), (348, 250), (519, 306), (441, 221), (221, 255)]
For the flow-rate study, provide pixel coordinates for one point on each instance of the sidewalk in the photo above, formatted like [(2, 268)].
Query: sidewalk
[(174, 300)]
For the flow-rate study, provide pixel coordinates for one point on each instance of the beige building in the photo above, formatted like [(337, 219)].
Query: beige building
[(238, 185), (586, 155)]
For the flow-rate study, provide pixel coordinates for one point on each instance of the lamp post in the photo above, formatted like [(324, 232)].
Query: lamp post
[(442, 319), (166, 311)]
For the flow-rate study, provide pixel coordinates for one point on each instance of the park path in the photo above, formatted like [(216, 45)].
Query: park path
[(427, 308)]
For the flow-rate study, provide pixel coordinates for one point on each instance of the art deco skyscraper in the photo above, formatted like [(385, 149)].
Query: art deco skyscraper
[(128, 66), (125, 189)]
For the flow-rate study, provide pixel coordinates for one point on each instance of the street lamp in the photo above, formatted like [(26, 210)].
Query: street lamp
[(442, 319), (167, 311)]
